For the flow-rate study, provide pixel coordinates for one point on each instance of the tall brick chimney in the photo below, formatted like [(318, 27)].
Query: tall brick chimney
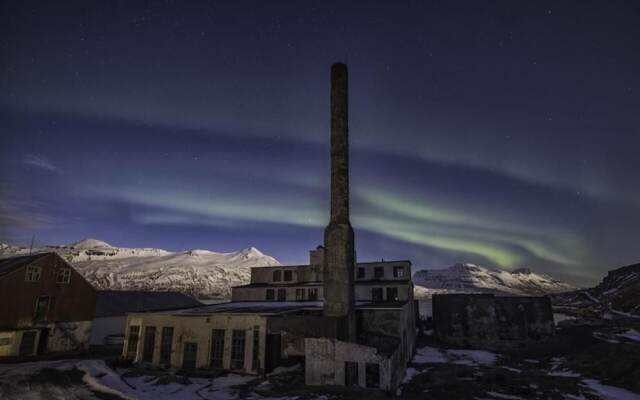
[(339, 260)]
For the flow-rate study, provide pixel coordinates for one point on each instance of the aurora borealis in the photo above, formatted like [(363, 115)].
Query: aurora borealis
[(497, 133)]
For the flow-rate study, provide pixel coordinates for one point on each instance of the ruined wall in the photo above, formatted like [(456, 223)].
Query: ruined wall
[(68, 336), (486, 321), (259, 293), (325, 360), (197, 329)]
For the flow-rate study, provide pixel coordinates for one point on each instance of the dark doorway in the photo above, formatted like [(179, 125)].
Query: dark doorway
[(149, 343), (350, 373), (28, 343), (372, 371), (189, 355), (42, 343), (272, 352)]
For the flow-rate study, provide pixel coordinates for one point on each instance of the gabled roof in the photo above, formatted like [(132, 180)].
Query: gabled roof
[(112, 303), (11, 264)]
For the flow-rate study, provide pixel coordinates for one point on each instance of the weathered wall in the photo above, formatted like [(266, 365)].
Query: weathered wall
[(73, 301), (69, 336), (248, 293), (325, 359), (198, 329), (486, 321)]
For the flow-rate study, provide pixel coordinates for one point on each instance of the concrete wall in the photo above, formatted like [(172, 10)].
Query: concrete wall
[(325, 360), (69, 336), (486, 321), (198, 329), (10, 342), (248, 293), (363, 291), (103, 327)]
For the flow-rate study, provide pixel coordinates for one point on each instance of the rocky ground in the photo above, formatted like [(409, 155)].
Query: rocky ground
[(594, 359)]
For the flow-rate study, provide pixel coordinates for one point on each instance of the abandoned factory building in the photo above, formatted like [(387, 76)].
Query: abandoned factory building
[(350, 323)]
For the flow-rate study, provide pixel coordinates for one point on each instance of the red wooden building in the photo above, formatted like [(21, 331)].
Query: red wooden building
[(46, 306)]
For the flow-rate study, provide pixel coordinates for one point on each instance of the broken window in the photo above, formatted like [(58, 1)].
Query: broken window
[(378, 272), (217, 348), (299, 294), (32, 274), (392, 294), (42, 308), (149, 343), (288, 276), (372, 375), (376, 294), (255, 360), (132, 342), (237, 349), (270, 294), (360, 273), (63, 276), (282, 294), (166, 341), (277, 276), (313, 294), (350, 373), (398, 272)]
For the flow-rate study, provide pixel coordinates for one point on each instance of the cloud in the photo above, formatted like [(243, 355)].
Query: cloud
[(39, 162)]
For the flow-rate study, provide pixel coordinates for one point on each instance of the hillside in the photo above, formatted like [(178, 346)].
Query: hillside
[(201, 273), (471, 278)]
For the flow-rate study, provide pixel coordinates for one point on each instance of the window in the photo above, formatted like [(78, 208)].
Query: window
[(149, 343), (360, 273), (392, 294), (372, 375), (132, 343), (350, 373), (282, 294), (398, 272), (299, 294), (255, 360), (277, 276), (32, 274), (64, 275), (270, 294), (313, 294), (42, 308), (217, 347), (166, 341), (378, 272), (376, 294), (288, 276), (237, 349)]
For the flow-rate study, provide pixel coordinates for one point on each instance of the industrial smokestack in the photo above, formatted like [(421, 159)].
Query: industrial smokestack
[(339, 261)]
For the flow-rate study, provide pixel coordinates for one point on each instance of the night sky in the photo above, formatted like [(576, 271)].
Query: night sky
[(500, 133)]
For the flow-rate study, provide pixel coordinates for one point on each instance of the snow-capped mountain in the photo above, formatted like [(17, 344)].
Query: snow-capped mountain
[(617, 294), (471, 278), (201, 273)]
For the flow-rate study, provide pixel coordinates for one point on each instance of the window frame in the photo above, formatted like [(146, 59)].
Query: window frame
[(312, 294), (33, 273), (276, 276), (66, 276), (360, 274), (270, 295), (299, 294), (377, 299), (287, 276), (377, 274), (238, 348), (398, 271)]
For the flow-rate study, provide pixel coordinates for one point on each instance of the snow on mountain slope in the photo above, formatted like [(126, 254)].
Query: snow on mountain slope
[(200, 273), (471, 278)]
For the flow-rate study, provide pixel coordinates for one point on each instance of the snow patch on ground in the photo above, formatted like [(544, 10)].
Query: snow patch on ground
[(465, 357), (609, 392)]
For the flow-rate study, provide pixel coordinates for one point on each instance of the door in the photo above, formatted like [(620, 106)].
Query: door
[(149, 343), (42, 343), (189, 355), (28, 343), (217, 348), (272, 352), (350, 373)]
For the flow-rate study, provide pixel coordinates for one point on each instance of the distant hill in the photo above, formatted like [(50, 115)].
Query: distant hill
[(200, 273), (617, 295), (471, 278)]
